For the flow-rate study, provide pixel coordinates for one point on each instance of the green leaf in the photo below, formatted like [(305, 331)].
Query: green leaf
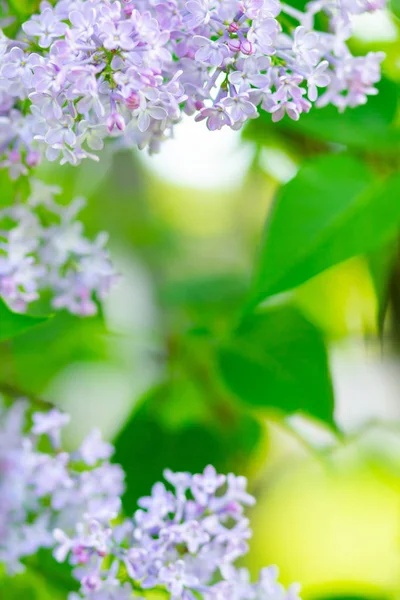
[(28, 587), (64, 339), (377, 596), (277, 359), (369, 127), (18, 11), (330, 212), (24, 9), (205, 292), (7, 187), (153, 440), (55, 574), (12, 324), (43, 579), (394, 6)]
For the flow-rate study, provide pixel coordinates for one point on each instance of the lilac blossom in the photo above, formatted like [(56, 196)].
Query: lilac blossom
[(94, 69), (43, 492), (184, 538), (46, 26), (52, 254)]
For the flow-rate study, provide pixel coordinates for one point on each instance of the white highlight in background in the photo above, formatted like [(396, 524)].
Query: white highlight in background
[(375, 27), (201, 159)]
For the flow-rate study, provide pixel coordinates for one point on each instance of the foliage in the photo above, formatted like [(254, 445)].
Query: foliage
[(278, 359), (13, 324), (231, 345)]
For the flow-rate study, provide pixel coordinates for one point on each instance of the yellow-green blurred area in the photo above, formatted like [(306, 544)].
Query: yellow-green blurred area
[(184, 229)]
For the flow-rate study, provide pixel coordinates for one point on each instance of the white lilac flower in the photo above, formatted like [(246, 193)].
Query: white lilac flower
[(105, 68)]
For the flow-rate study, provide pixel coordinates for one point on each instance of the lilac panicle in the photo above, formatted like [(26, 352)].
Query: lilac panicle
[(51, 253), (42, 491), (82, 71), (185, 537)]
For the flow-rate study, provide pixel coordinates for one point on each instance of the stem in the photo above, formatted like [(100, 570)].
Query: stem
[(15, 393)]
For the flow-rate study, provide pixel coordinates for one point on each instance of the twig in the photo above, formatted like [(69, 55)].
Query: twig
[(15, 393)]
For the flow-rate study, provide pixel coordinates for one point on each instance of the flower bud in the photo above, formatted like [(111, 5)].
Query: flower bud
[(234, 45), (120, 122), (246, 47), (128, 8), (133, 101), (115, 120), (14, 156), (33, 158)]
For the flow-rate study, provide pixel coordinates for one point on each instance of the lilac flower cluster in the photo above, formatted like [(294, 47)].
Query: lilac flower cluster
[(41, 491), (42, 247), (185, 541), (85, 70)]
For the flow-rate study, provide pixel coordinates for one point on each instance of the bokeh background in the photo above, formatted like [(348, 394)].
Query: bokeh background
[(184, 228)]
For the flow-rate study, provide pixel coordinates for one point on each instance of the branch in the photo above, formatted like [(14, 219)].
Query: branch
[(16, 393)]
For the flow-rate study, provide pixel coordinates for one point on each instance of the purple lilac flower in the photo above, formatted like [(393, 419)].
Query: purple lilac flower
[(50, 423), (42, 492), (185, 540), (46, 26), (105, 68), (94, 449), (53, 255)]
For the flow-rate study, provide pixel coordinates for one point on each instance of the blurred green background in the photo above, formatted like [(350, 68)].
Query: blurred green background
[(301, 395)]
